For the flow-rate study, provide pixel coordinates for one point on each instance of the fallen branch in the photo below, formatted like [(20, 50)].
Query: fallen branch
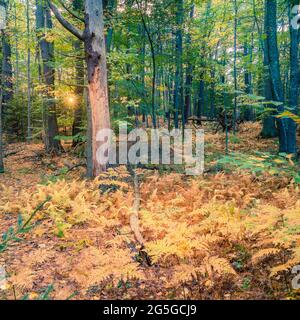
[(134, 218), (71, 168), (12, 153)]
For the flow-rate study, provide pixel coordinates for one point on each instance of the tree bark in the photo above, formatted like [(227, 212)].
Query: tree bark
[(200, 108), (79, 91), (95, 54), (153, 56), (1, 115), (109, 6), (189, 75), (274, 69), (94, 43), (77, 6), (6, 93), (28, 73), (203, 55), (269, 126), (178, 57), (248, 114), (294, 83), (43, 20)]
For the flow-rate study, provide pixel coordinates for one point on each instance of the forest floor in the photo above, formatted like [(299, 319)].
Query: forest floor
[(233, 233)]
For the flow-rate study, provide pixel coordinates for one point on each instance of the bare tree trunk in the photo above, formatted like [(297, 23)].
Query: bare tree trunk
[(110, 8), (17, 50), (78, 112), (153, 56), (269, 126), (248, 113), (178, 56), (6, 83), (274, 70), (1, 130), (294, 86), (43, 20), (94, 43), (1, 139), (28, 74), (79, 90), (235, 66), (189, 74), (95, 52)]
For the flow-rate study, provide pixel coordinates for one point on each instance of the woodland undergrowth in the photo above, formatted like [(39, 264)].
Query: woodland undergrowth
[(233, 233)]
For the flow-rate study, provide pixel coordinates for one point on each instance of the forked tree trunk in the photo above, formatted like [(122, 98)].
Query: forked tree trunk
[(95, 52)]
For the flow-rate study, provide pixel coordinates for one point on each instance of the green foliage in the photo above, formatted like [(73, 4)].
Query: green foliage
[(261, 162), (45, 295), (79, 137), (13, 233), (234, 140), (289, 115), (246, 283)]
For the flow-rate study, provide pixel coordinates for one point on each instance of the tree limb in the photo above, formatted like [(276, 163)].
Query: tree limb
[(71, 12), (66, 24)]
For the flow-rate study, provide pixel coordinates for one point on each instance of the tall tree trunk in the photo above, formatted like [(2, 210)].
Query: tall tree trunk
[(223, 80), (79, 91), (143, 72), (109, 6), (212, 111), (1, 111), (200, 108), (94, 42), (95, 52), (7, 80), (294, 64), (79, 70), (269, 125), (294, 84), (6, 93), (44, 21), (203, 55), (153, 57), (1, 136), (28, 73), (189, 74), (178, 57), (16, 49), (235, 66), (274, 69), (248, 114)]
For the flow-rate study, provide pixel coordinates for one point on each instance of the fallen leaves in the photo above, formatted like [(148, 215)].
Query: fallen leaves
[(204, 234)]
